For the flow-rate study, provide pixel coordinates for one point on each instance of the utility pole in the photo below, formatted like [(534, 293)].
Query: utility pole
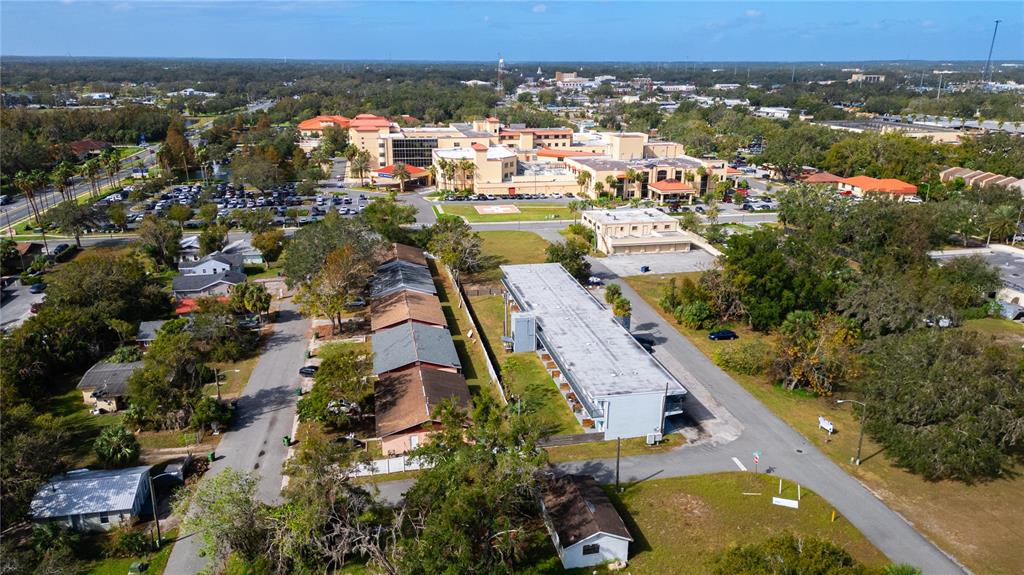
[(618, 456), (986, 76)]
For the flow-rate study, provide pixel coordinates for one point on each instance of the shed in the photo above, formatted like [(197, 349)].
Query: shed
[(584, 525), (87, 500)]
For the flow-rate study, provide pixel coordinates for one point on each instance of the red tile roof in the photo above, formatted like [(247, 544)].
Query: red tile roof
[(189, 305), (364, 122), (671, 186), (822, 178), (82, 147), (413, 170), (885, 185), (479, 147), (319, 123)]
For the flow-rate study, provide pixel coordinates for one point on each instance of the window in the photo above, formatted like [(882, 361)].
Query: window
[(592, 549), (104, 518), (634, 228)]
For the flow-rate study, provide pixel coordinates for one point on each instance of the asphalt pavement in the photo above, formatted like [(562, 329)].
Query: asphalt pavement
[(17, 306), (265, 414)]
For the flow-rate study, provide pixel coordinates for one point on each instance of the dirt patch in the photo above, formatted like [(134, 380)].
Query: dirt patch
[(691, 508)]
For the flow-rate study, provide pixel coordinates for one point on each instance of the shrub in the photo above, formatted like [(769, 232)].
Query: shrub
[(126, 542), (612, 293), (750, 357), (696, 315), (125, 354), (116, 447), (583, 232)]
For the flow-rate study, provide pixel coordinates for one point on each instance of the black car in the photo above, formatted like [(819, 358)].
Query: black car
[(722, 335), (308, 370), (699, 209), (37, 288)]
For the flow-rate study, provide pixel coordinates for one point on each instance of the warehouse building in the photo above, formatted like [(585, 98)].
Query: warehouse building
[(612, 384)]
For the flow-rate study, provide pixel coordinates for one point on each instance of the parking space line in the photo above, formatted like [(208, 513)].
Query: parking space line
[(739, 464)]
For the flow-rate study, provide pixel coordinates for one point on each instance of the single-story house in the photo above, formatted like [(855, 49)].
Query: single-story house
[(105, 385), (147, 332), (206, 284), (214, 263), (413, 344), (83, 148), (862, 185), (401, 275), (405, 253), (405, 402), (403, 306), (188, 249), (821, 178), (87, 500), (584, 525)]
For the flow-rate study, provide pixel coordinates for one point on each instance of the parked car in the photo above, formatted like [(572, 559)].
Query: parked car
[(37, 288), (308, 370), (722, 335), (61, 248), (699, 209)]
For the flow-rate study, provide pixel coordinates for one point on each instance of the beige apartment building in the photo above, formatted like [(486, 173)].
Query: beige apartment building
[(643, 231)]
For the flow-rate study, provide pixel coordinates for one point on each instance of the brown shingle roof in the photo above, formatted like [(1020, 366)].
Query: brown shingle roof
[(408, 398), (578, 508), (403, 306), (406, 253)]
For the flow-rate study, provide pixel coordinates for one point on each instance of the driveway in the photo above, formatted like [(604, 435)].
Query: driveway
[(266, 413), (17, 306)]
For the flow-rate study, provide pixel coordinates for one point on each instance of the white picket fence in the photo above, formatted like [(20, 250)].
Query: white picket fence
[(389, 465)]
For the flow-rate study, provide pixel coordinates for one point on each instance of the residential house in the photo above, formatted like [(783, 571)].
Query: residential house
[(25, 252), (87, 500), (148, 331), (215, 263), (83, 148), (206, 284), (978, 178), (400, 275), (243, 251), (405, 253), (404, 306), (406, 402), (821, 178), (188, 249), (414, 344), (584, 525), (105, 385)]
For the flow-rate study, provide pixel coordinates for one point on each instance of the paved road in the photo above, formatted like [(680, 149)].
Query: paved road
[(17, 306), (737, 424), (19, 209), (266, 413)]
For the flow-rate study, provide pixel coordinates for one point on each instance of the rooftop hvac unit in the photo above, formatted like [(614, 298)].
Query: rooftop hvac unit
[(524, 332)]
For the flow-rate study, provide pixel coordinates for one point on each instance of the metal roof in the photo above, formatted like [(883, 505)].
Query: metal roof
[(84, 491), (399, 275), (590, 347), (111, 378), (148, 329), (412, 342), (196, 283)]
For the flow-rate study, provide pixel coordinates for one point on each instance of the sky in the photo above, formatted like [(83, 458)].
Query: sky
[(525, 31)]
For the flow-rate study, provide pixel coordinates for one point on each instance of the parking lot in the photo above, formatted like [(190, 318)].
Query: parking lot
[(624, 265), (17, 305)]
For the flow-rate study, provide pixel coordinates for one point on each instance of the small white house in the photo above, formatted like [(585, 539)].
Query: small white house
[(87, 500), (215, 263), (584, 525)]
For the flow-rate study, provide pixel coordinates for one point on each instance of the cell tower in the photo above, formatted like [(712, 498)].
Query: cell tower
[(501, 76)]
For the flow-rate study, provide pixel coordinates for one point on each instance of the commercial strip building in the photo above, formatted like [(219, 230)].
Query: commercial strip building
[(613, 386), (638, 231), (414, 356)]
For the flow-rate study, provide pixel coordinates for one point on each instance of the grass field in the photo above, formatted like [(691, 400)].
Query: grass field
[(474, 363), (606, 449), (976, 523), (119, 566), (509, 247), (678, 525), (528, 213), (523, 374), (83, 427)]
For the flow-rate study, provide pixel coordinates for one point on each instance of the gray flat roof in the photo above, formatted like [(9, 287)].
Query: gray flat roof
[(593, 349), (1009, 263), (627, 216), (605, 164)]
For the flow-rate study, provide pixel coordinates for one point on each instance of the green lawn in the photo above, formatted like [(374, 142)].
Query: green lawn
[(606, 449), (125, 151), (474, 363), (976, 523), (509, 247), (75, 418), (263, 272), (679, 524), (529, 212), (119, 566), (523, 374)]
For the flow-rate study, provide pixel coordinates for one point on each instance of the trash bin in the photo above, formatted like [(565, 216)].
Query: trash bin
[(298, 391), (211, 456)]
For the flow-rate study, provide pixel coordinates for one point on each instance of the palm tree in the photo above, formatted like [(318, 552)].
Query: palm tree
[(432, 170), (631, 176), (598, 188), (111, 163), (401, 173), (467, 168), (449, 170), (574, 208), (202, 155), (26, 185), (1001, 223), (611, 182), (582, 180), (61, 178), (90, 170), (359, 165), (641, 178)]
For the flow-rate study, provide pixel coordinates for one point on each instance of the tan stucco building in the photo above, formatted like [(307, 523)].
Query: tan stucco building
[(640, 231)]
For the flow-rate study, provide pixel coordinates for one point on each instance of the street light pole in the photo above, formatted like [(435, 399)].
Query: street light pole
[(156, 515), (863, 416)]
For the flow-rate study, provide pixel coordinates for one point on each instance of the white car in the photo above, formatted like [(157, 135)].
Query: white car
[(913, 200)]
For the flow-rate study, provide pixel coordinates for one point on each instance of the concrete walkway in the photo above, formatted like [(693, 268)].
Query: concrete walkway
[(266, 411)]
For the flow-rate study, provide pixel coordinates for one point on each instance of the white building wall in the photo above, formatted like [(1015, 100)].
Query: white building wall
[(611, 549), (206, 268), (633, 415)]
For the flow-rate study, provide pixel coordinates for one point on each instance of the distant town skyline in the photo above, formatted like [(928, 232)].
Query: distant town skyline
[(518, 31)]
